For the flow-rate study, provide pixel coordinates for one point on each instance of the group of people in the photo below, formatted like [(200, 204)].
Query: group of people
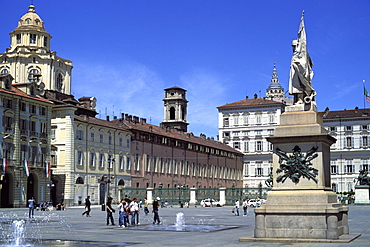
[(128, 211), (32, 205), (237, 206)]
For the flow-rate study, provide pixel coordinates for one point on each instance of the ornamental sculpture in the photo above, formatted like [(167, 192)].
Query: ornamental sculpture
[(300, 80), (296, 165), (363, 178)]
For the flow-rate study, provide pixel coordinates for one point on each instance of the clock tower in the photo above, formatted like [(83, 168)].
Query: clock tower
[(29, 58), (175, 109)]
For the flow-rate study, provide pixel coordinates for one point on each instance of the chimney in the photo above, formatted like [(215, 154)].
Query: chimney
[(255, 96), (122, 116), (126, 116), (107, 118), (129, 118), (114, 117), (136, 119)]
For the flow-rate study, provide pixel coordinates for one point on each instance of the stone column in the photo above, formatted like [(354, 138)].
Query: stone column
[(149, 195), (193, 196), (222, 195)]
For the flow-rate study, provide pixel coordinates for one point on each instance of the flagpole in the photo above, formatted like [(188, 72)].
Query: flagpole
[(363, 81)]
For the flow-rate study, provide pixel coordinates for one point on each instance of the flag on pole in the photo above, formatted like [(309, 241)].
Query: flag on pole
[(26, 168), (5, 164), (367, 96), (47, 169)]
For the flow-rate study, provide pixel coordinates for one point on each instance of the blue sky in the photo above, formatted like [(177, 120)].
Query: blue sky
[(125, 53)]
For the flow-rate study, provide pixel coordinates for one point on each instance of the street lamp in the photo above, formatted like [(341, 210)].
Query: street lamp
[(110, 161)]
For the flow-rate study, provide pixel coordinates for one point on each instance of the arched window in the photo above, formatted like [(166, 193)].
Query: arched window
[(5, 72), (34, 75), (59, 82), (172, 113), (79, 180), (121, 182)]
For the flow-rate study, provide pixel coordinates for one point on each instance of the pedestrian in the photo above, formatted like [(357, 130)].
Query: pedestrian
[(155, 211), (236, 207), (146, 204), (87, 207), (134, 206), (245, 207), (126, 208), (121, 213), (31, 207), (110, 211)]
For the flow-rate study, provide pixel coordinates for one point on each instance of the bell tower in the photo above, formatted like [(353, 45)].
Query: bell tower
[(175, 109), (29, 58)]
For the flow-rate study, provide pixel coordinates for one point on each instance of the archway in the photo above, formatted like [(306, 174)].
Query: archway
[(7, 191), (32, 185), (56, 190)]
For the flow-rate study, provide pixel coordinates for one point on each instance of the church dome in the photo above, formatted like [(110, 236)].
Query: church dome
[(31, 20)]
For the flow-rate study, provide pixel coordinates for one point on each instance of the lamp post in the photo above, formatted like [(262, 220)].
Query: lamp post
[(110, 162)]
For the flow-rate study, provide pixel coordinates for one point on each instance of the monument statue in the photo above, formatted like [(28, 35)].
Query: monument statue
[(363, 178), (300, 80)]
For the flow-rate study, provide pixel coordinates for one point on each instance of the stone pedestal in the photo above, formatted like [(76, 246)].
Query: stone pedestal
[(362, 193), (307, 208)]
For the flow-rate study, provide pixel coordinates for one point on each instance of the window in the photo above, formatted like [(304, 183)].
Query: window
[(365, 141), (59, 82), (259, 146), (333, 167), (42, 111), (161, 165), (333, 128), (271, 118), (8, 103), (32, 38), (33, 129), (79, 134), (169, 166), (101, 160), (349, 168), (175, 167), (120, 141), (23, 127), (236, 145), (92, 159), (258, 132), (364, 127), (172, 113), (137, 162), (245, 120), (259, 170), (80, 156), (121, 162), (226, 122), (45, 41), (101, 138), (128, 143), (34, 75), (147, 164), (19, 38), (348, 128), (348, 142), (236, 120), (246, 146), (364, 165), (92, 136), (43, 130), (128, 163), (110, 140), (258, 119), (334, 187)]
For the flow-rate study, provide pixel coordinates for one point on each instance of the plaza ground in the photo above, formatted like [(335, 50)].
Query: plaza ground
[(72, 226)]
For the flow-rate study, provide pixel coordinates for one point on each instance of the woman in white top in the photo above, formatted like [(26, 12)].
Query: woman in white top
[(237, 205), (245, 207)]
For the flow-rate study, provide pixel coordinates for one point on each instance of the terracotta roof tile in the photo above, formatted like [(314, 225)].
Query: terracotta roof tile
[(176, 134), (251, 102), (16, 91), (355, 113)]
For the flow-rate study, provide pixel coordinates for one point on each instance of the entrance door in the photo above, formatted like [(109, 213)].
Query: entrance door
[(7, 192)]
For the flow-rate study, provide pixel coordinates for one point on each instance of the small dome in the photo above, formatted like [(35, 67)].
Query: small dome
[(31, 19)]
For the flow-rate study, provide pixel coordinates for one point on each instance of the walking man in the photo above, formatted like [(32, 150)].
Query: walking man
[(155, 211), (110, 211), (87, 207), (31, 207), (134, 212)]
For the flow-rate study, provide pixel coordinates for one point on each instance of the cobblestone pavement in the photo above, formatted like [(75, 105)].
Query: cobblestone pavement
[(71, 225)]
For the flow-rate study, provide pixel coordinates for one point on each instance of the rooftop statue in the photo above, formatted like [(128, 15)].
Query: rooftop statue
[(300, 81)]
